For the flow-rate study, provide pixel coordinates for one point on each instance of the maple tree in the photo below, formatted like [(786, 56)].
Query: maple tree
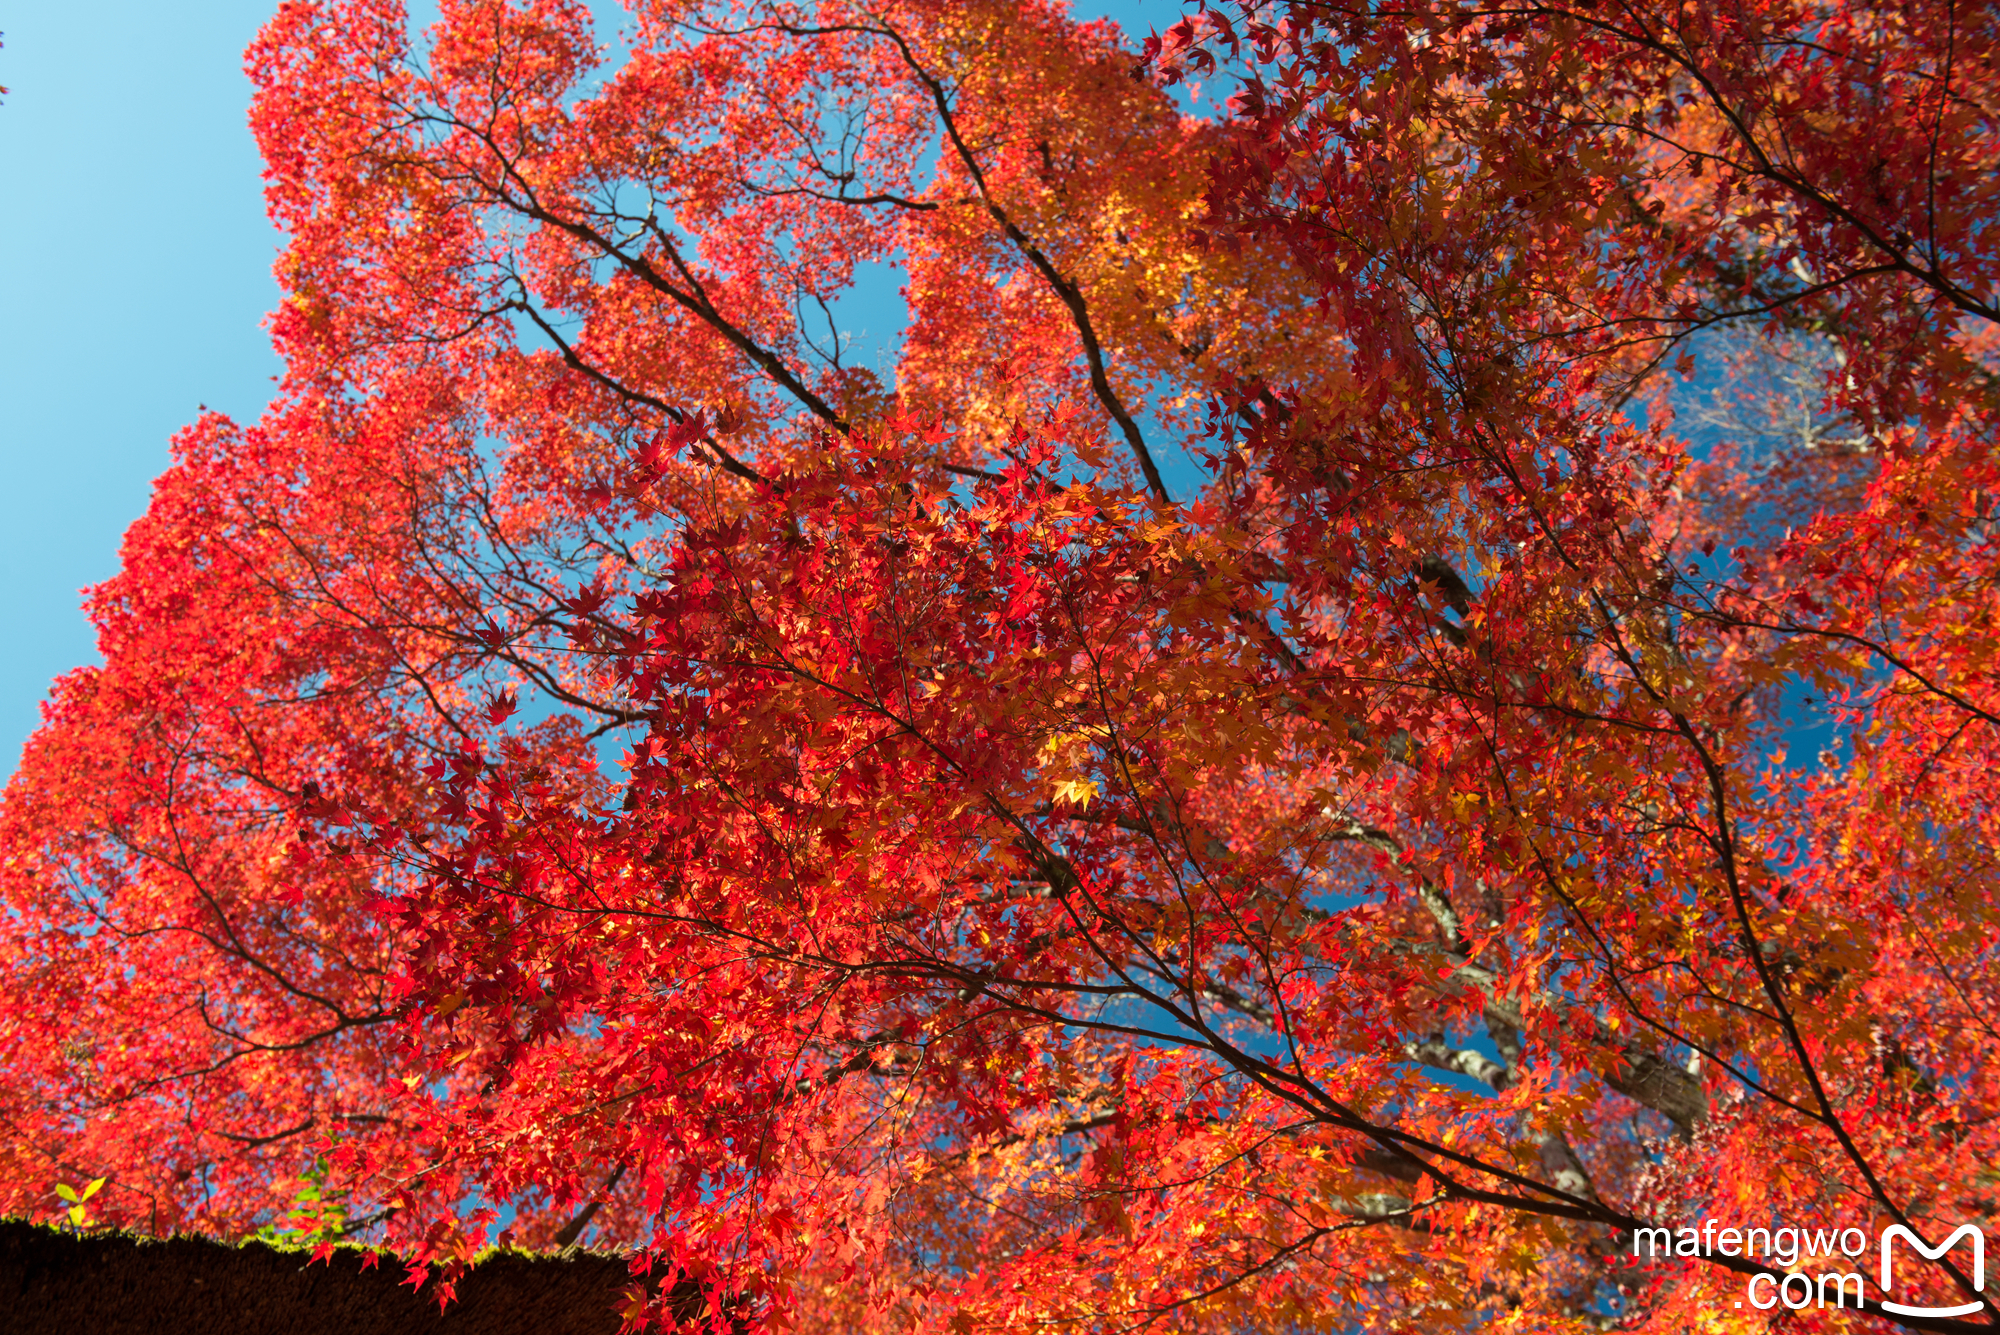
[(1388, 683)]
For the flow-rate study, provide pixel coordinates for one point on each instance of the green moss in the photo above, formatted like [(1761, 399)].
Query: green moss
[(120, 1284)]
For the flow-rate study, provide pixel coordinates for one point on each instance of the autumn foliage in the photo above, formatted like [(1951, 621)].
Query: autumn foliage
[(1385, 674)]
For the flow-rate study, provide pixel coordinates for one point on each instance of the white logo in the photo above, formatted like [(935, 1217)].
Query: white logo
[(1931, 1254)]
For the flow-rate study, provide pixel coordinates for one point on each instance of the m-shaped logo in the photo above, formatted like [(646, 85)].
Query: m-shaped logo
[(1932, 1254)]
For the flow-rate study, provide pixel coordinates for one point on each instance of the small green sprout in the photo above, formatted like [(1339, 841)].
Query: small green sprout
[(79, 1209)]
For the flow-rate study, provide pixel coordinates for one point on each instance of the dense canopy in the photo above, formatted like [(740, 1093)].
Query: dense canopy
[(1381, 676)]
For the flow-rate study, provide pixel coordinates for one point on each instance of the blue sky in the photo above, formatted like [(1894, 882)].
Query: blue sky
[(135, 272), (134, 275)]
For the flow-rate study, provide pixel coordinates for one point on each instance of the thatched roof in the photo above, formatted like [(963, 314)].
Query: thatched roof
[(110, 1284)]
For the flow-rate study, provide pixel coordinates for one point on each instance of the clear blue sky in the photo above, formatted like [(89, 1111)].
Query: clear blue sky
[(134, 275), (135, 271)]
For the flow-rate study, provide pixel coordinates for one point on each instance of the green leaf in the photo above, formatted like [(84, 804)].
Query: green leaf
[(76, 1213), (91, 1190), (66, 1191)]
